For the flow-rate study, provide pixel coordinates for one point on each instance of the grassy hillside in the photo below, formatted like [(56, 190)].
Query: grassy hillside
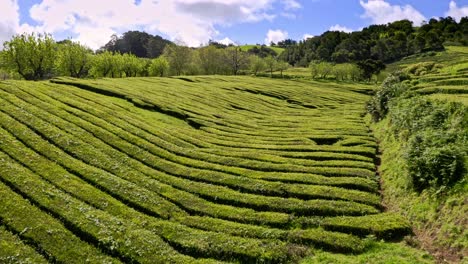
[(278, 50), (437, 214), (185, 170), (438, 75)]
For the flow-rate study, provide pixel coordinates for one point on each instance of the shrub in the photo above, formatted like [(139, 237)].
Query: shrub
[(378, 106), (423, 68), (437, 139), (435, 159), (418, 113)]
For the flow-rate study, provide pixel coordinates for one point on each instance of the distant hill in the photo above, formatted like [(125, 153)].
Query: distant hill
[(278, 50), (387, 43), (141, 44)]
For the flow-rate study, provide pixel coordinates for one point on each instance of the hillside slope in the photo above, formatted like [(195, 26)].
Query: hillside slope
[(185, 170)]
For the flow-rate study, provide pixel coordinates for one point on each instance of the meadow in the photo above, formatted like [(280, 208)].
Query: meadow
[(202, 169)]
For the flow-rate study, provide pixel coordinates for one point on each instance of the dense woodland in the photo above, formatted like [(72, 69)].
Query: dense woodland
[(356, 56), (386, 43)]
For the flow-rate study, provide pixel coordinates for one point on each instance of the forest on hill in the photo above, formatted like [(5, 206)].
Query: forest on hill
[(386, 43)]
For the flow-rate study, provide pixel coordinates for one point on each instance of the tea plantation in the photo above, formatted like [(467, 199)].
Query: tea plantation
[(189, 170)]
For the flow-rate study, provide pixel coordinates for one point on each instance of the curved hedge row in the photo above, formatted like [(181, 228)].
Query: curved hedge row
[(157, 170)]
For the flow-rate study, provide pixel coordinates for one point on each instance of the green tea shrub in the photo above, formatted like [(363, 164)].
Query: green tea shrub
[(423, 68)]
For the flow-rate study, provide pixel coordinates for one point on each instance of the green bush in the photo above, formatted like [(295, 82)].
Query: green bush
[(437, 138), (434, 159), (378, 106)]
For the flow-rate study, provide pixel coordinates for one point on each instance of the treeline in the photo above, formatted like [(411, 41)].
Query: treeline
[(384, 43), (140, 44), (37, 57)]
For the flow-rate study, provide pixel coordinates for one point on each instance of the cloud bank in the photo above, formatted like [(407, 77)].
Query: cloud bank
[(92, 22), (381, 12)]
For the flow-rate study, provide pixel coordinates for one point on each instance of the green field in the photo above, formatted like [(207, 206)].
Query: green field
[(193, 169)]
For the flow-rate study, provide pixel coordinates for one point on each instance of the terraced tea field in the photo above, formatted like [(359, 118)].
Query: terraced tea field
[(449, 78), (189, 170)]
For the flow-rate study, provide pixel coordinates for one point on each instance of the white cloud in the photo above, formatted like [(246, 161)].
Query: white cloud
[(9, 20), (93, 22), (381, 12), (457, 12), (291, 4), (307, 36), (288, 15), (275, 36), (340, 28), (226, 41)]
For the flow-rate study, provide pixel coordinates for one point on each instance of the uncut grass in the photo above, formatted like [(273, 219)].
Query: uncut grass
[(228, 195)]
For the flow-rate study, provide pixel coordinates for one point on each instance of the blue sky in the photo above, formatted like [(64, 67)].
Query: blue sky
[(194, 22)]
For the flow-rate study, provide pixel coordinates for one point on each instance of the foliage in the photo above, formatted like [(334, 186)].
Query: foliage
[(340, 72), (159, 67), (140, 44), (435, 159), (235, 59), (73, 59), (437, 139), (31, 56), (370, 67), (262, 52), (270, 63), (422, 68), (386, 43), (257, 64), (282, 66), (320, 69), (179, 57), (103, 64), (378, 105), (211, 60), (131, 65)]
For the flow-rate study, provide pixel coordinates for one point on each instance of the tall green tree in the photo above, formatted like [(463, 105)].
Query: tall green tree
[(211, 59), (131, 65), (282, 66), (370, 67), (235, 59), (270, 64), (31, 56), (257, 64), (159, 67), (102, 64), (179, 57), (73, 59)]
